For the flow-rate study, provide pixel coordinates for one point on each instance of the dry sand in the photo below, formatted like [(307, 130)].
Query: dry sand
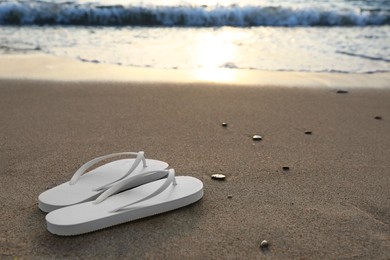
[(333, 203)]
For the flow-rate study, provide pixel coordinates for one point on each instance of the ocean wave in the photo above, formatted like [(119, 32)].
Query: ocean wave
[(70, 13)]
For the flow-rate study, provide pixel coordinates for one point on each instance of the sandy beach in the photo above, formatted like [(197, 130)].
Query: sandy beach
[(332, 203)]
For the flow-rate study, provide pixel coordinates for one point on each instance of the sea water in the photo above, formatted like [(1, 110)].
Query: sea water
[(347, 36)]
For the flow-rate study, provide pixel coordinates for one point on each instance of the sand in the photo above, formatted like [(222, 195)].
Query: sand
[(333, 203), (46, 67)]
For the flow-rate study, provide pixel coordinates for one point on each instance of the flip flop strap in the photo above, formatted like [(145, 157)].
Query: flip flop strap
[(140, 157), (118, 187)]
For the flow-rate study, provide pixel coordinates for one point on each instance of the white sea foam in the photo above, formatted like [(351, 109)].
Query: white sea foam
[(313, 49)]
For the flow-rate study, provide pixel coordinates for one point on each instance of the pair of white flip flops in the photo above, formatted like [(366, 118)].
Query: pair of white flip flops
[(115, 193)]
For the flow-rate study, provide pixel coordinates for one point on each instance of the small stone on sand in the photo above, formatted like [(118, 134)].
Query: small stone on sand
[(264, 244), (230, 196), (224, 124), (218, 176), (286, 168), (342, 91), (307, 132), (378, 117), (257, 138)]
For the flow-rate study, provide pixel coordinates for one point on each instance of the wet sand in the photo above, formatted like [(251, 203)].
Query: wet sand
[(46, 67), (332, 203)]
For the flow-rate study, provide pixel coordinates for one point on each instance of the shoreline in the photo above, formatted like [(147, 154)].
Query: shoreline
[(53, 68)]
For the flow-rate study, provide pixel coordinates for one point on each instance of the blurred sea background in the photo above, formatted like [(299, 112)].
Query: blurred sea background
[(345, 36)]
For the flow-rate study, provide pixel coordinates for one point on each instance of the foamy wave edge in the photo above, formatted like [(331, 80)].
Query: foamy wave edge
[(69, 13)]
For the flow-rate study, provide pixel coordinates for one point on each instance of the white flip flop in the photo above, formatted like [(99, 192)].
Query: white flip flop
[(113, 208), (86, 187)]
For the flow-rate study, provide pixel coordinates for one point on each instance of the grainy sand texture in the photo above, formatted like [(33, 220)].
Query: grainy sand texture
[(332, 203)]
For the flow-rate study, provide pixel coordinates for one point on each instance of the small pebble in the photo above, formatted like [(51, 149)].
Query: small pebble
[(307, 132), (378, 117), (342, 91), (286, 168), (230, 196), (224, 124), (218, 176), (257, 138), (264, 244)]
